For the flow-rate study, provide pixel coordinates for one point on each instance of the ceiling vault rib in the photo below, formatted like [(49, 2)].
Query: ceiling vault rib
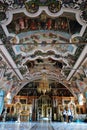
[(10, 61), (78, 63)]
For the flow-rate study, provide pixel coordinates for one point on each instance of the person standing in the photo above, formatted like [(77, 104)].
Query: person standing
[(64, 115), (71, 118), (69, 115)]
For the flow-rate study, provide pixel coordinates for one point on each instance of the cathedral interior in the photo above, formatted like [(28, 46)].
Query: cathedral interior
[(43, 60)]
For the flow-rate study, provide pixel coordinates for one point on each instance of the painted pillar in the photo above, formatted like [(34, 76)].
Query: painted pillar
[(86, 100), (2, 93)]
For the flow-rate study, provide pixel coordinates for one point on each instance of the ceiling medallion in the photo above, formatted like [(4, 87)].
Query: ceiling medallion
[(55, 6), (33, 6)]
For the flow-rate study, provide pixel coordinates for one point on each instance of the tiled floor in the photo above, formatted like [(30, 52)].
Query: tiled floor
[(42, 126), (69, 126)]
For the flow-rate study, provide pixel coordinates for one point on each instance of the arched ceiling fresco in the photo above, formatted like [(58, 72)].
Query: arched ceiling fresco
[(43, 36)]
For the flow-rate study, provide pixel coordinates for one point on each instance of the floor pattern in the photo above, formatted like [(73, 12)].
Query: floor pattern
[(42, 126), (69, 126)]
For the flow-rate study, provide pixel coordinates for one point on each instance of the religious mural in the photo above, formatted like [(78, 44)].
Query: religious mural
[(23, 55), (81, 77), (28, 44), (57, 30), (8, 79), (66, 26)]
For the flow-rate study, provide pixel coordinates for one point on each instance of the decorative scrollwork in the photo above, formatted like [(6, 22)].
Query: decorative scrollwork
[(3, 6), (2, 16), (79, 39), (32, 7), (2, 33), (54, 7), (83, 8), (84, 15)]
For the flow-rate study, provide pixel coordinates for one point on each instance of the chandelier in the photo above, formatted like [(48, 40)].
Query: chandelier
[(44, 85)]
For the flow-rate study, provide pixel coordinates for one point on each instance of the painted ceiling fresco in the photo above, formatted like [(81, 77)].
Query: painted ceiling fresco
[(81, 76), (44, 36), (8, 78)]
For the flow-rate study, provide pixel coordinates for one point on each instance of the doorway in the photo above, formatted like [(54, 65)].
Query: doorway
[(44, 108)]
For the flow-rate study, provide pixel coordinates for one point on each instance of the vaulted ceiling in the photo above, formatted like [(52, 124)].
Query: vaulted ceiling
[(43, 37)]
